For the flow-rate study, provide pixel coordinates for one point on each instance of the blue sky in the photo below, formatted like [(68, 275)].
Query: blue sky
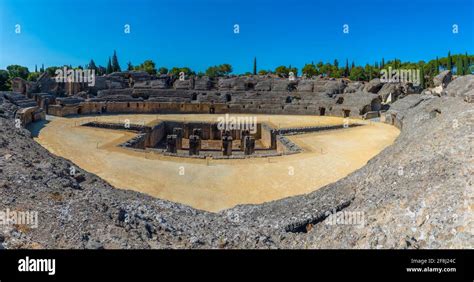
[(200, 33)]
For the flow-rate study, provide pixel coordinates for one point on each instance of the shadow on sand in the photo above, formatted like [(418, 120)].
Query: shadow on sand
[(35, 127)]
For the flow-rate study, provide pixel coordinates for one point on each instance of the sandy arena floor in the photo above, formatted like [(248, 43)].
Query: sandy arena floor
[(215, 185)]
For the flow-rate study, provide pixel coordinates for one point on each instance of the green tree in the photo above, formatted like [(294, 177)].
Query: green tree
[(459, 66), (33, 76), (346, 69), (187, 71), (357, 74), (91, 65), (382, 65), (4, 80), (336, 63), (148, 66), (101, 70), (115, 63), (282, 71), (262, 72), (51, 71), (163, 70), (310, 70), (254, 65), (42, 68), (109, 69), (466, 64), (437, 65), (18, 71), (422, 77), (220, 70), (129, 66), (449, 65)]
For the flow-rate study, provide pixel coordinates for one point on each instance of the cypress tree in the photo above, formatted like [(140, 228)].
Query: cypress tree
[(42, 68), (466, 64), (450, 61), (459, 66), (115, 63), (437, 65), (353, 65), (92, 65), (109, 69), (383, 63), (36, 68), (422, 77), (255, 66), (129, 66), (346, 69)]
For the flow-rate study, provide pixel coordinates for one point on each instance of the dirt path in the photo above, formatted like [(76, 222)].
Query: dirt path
[(220, 184)]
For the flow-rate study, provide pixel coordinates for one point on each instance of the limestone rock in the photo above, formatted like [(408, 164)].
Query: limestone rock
[(202, 83), (264, 85), (353, 87), (443, 78), (225, 83), (239, 84), (394, 89), (334, 87), (461, 86), (305, 86), (186, 84), (373, 86), (279, 85)]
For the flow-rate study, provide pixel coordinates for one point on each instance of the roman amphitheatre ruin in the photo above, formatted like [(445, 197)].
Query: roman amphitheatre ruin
[(140, 161)]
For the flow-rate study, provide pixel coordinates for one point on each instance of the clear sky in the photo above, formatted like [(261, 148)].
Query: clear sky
[(200, 33)]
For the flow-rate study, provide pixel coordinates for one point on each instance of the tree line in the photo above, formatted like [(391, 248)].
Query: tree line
[(460, 64)]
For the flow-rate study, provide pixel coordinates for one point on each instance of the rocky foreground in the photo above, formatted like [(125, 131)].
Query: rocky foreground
[(417, 193)]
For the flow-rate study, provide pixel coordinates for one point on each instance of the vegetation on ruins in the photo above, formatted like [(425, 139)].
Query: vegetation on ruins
[(176, 70), (283, 71), (459, 64), (255, 66), (109, 67), (219, 70), (148, 66), (115, 63), (163, 70)]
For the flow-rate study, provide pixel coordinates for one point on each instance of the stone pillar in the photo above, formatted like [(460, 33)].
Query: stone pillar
[(249, 145), (178, 131), (227, 145), (273, 139), (194, 145), (243, 134), (171, 142)]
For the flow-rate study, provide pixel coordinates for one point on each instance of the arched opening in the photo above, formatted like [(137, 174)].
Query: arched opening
[(346, 113), (194, 97), (212, 110), (228, 97), (288, 100), (322, 111)]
